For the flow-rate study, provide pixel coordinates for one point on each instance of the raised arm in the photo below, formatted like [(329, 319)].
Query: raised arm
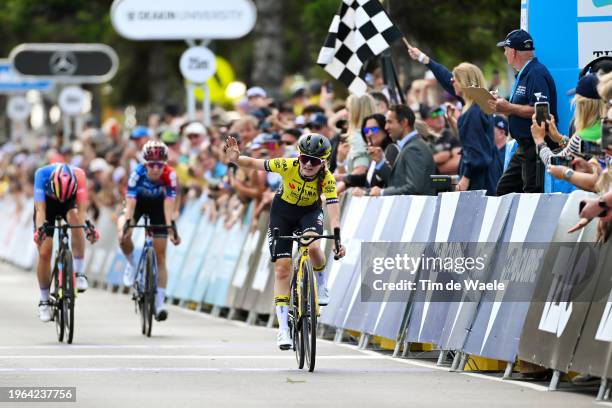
[(233, 155)]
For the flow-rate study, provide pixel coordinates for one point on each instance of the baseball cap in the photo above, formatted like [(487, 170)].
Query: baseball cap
[(519, 40), (317, 120), (195, 128), (256, 91), (98, 164), (139, 132), (430, 111), (263, 139), (501, 123), (586, 87), (603, 64), (170, 137)]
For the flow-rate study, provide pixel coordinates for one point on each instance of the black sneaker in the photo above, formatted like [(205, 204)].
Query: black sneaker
[(161, 315)]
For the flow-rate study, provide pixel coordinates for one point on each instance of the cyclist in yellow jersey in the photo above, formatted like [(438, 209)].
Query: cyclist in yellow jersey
[(297, 207)]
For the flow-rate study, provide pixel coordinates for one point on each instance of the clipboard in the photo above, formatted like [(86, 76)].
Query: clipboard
[(481, 96)]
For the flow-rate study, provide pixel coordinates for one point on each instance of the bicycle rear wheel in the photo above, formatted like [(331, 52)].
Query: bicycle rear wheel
[(309, 318), (58, 315), (295, 323), (69, 296), (148, 308)]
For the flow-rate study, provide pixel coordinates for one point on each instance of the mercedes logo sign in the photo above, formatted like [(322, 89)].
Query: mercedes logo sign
[(63, 63)]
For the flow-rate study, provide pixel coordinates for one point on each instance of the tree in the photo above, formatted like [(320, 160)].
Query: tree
[(268, 46)]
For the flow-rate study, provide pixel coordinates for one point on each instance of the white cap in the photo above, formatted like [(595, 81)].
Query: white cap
[(195, 128), (98, 164), (256, 91)]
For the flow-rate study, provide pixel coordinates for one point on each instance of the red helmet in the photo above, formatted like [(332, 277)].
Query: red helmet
[(63, 182), (155, 151)]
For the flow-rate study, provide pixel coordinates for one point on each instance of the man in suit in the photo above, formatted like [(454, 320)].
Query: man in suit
[(410, 173)]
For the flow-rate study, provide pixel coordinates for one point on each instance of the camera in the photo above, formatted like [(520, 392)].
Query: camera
[(591, 148), (443, 183), (561, 161)]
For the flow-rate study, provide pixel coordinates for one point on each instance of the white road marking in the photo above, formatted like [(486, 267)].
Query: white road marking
[(193, 369), (177, 357), (219, 344)]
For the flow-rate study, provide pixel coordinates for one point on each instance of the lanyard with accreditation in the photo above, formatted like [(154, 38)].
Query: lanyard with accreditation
[(518, 78)]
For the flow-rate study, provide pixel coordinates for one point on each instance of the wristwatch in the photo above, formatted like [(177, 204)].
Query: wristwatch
[(541, 146), (568, 174)]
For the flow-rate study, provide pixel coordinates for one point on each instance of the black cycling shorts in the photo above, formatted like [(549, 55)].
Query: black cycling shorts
[(154, 208), (54, 209), (290, 218)]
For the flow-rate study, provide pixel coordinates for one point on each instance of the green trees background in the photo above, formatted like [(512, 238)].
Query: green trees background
[(450, 30)]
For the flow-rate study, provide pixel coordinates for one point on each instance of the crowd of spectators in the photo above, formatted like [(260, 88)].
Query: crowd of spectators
[(379, 148)]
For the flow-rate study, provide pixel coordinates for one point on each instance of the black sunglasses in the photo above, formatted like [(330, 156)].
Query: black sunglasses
[(314, 161)]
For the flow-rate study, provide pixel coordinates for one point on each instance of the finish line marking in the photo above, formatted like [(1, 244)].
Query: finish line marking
[(177, 357)]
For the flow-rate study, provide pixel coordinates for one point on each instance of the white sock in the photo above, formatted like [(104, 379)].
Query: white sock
[(44, 294), (78, 263), (161, 296), (130, 259), (321, 279), (282, 314)]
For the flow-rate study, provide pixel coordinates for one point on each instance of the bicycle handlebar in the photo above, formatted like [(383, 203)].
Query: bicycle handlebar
[(307, 240), (45, 226), (148, 227)]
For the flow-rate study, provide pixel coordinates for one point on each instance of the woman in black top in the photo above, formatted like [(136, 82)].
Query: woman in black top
[(382, 151)]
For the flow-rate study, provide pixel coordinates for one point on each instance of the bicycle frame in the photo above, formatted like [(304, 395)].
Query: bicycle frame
[(139, 281), (298, 270), (64, 245)]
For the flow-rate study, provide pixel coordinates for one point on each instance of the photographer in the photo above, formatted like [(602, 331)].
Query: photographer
[(587, 121)]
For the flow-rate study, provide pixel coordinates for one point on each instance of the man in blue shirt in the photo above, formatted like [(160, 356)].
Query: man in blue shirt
[(533, 83)]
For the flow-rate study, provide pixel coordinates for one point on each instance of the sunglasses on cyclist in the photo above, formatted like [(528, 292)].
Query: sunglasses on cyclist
[(373, 129), (314, 161), (155, 164)]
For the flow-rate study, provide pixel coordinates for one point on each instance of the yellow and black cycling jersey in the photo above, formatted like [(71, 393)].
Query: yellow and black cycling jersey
[(295, 190)]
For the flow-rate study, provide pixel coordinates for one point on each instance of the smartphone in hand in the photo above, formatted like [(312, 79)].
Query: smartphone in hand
[(542, 111)]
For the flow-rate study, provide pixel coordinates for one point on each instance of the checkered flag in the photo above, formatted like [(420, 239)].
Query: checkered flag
[(359, 31)]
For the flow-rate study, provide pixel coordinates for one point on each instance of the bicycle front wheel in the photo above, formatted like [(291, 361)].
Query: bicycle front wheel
[(295, 319), (69, 296), (309, 317), (58, 309), (148, 308)]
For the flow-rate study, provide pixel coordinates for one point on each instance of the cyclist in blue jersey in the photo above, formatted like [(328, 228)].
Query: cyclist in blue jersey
[(151, 191)]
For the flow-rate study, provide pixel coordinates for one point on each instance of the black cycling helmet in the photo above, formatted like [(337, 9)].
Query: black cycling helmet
[(314, 144)]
